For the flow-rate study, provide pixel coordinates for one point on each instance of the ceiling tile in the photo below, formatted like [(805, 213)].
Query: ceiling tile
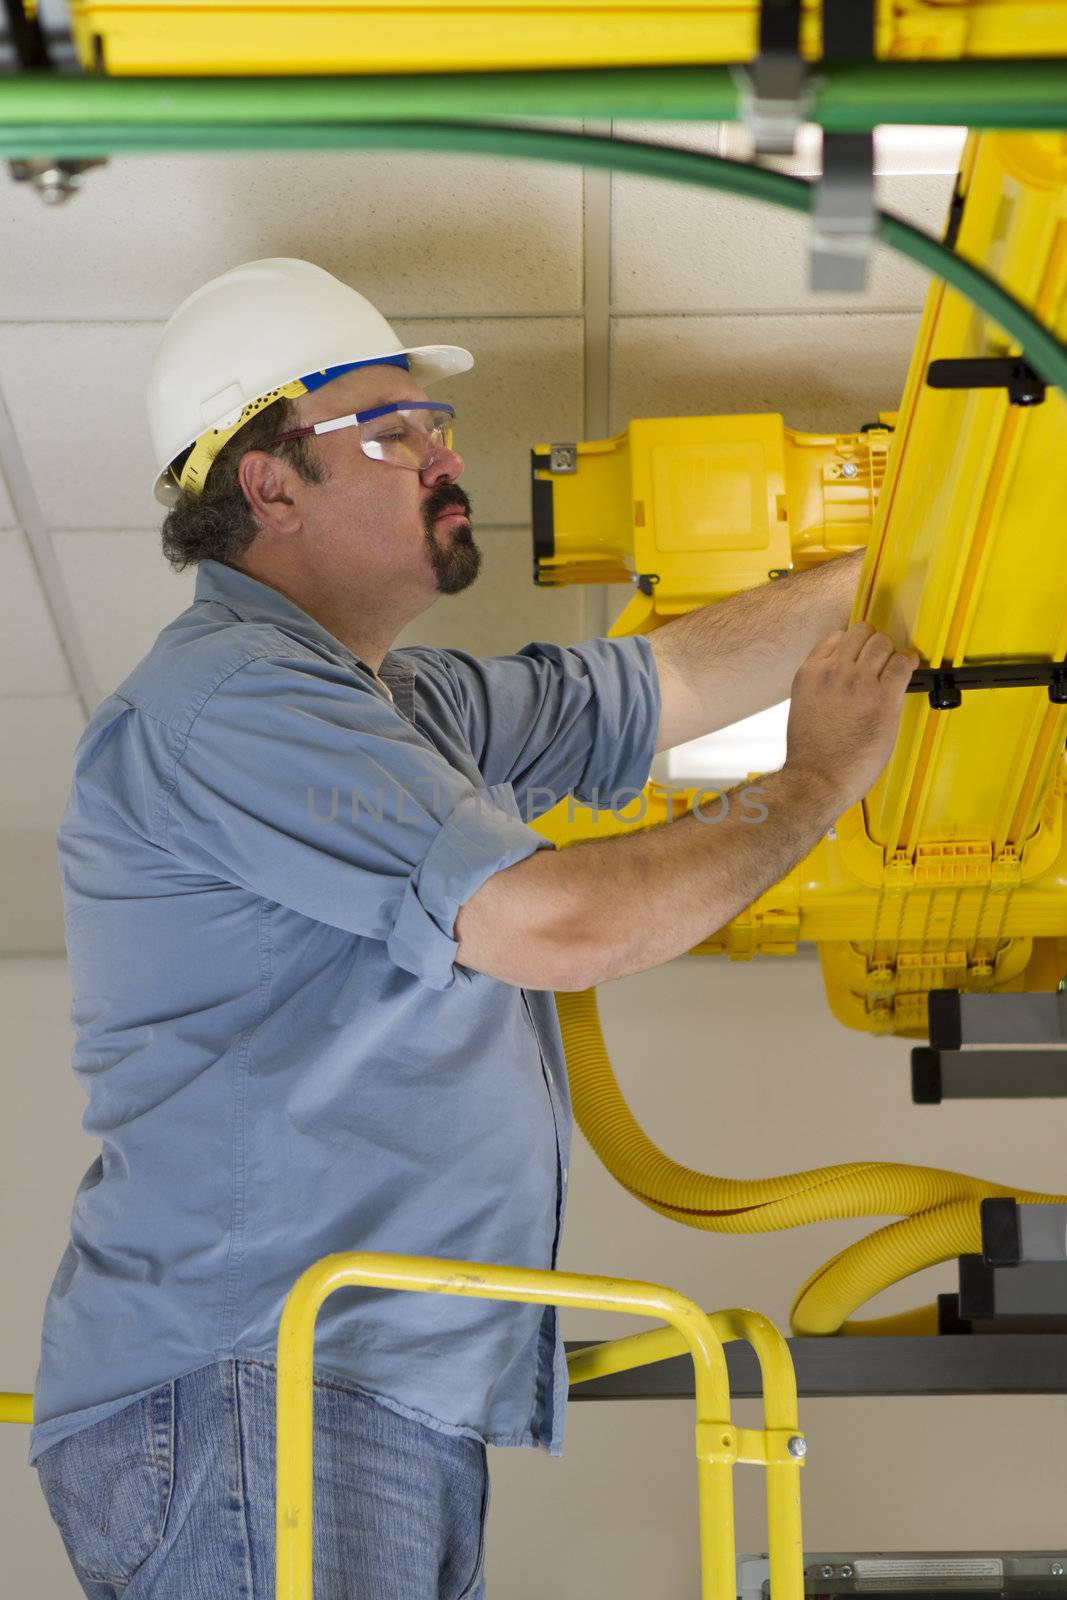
[(31, 661), (92, 464), (504, 609), (76, 395), (525, 388), (145, 231), (123, 592), (822, 374), (679, 248), (43, 730)]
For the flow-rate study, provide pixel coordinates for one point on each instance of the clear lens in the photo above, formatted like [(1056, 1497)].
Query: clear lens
[(407, 438)]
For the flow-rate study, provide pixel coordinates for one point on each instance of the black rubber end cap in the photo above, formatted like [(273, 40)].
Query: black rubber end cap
[(945, 1027), (925, 1076)]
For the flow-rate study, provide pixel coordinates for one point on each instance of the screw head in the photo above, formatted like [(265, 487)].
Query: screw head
[(1056, 1569), (797, 1447), (54, 185), (846, 1571), (849, 469), (826, 1572)]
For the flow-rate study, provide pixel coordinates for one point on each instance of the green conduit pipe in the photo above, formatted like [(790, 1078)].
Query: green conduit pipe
[(846, 98), (1045, 352)]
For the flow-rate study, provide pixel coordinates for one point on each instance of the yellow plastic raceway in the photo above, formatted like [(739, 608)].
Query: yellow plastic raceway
[(952, 871), (213, 37)]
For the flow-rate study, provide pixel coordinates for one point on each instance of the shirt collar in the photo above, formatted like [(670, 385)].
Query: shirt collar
[(253, 601)]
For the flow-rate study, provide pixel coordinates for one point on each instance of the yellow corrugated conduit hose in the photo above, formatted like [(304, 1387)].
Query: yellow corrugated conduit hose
[(939, 1210)]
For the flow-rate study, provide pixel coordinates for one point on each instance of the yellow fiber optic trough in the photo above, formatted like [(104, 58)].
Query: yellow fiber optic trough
[(222, 37), (952, 872)]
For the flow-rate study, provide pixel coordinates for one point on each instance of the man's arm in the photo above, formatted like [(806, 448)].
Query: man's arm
[(729, 660), (604, 908)]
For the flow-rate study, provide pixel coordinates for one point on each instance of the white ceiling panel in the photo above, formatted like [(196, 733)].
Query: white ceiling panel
[(525, 387), (145, 231), (31, 661), (823, 374), (40, 734), (76, 395), (504, 609), (679, 248), (76, 392), (123, 592)]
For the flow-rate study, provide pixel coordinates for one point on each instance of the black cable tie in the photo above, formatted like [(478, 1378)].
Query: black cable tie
[(1025, 386)]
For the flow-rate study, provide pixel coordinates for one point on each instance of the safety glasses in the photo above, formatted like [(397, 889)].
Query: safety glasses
[(408, 433)]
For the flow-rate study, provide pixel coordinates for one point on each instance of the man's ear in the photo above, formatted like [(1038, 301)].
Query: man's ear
[(266, 483)]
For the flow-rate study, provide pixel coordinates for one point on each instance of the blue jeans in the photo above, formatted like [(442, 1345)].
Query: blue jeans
[(173, 1497)]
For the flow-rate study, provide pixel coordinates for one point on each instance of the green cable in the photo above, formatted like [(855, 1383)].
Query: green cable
[(1045, 352), (849, 97)]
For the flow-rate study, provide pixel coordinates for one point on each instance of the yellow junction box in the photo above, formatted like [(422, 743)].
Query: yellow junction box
[(696, 508), (237, 37)]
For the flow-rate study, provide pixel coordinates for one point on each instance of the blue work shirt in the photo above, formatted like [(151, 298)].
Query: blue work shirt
[(262, 858)]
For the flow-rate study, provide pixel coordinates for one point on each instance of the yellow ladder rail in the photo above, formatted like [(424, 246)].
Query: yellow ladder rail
[(719, 1445)]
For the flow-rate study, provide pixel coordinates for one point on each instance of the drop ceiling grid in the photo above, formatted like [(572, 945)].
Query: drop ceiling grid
[(86, 288), (51, 596)]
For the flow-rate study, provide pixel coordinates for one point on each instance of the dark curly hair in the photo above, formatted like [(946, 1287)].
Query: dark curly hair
[(219, 525)]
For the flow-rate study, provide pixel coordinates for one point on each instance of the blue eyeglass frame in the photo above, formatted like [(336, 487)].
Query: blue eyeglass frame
[(352, 418)]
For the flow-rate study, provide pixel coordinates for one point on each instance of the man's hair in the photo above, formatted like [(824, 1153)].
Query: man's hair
[(218, 525)]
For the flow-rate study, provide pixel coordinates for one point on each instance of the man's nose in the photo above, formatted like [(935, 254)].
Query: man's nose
[(445, 467)]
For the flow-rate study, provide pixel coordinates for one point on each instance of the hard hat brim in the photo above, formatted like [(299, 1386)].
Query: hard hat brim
[(430, 363)]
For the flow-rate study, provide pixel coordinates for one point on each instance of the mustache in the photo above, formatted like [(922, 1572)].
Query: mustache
[(448, 498)]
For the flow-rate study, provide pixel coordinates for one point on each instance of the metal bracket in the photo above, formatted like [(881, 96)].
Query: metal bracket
[(1021, 1274), (38, 40), (775, 88), (1014, 1233), (1025, 387), (992, 1047), (843, 219), (843, 216), (36, 37)]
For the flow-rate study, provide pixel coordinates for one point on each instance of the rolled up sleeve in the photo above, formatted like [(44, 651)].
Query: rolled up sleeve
[(557, 720), (305, 789)]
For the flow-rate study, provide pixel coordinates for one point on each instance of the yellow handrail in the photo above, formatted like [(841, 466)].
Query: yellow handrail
[(778, 1446), (15, 1407)]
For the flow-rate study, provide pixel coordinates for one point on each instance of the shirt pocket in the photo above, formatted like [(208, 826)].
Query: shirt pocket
[(108, 1488)]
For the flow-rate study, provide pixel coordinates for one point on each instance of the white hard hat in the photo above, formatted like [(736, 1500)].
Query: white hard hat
[(249, 337)]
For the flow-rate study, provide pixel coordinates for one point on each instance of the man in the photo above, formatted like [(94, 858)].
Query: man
[(313, 941)]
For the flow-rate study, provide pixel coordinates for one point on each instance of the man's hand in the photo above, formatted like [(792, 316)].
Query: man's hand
[(845, 711)]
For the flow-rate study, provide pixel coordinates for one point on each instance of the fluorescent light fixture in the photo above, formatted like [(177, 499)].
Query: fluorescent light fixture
[(756, 744)]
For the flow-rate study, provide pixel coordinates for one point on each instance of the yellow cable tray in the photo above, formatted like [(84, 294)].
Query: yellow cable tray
[(951, 873), (223, 37)]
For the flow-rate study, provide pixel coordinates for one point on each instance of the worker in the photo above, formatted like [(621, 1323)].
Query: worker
[(313, 941)]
